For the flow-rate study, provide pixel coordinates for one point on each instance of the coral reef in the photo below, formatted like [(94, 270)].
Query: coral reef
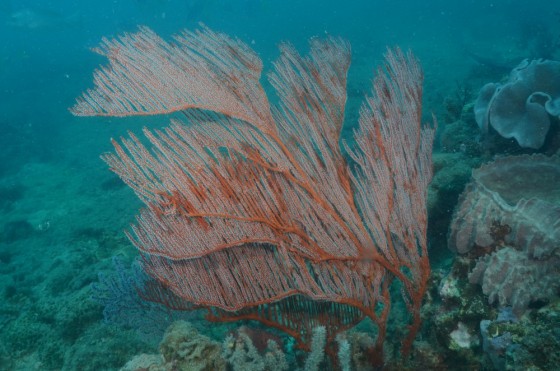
[(527, 343), (458, 136), (454, 315), (494, 341), (463, 331), (452, 171), (184, 348), (115, 344)]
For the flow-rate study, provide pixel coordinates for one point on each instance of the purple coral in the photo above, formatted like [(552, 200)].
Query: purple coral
[(120, 295)]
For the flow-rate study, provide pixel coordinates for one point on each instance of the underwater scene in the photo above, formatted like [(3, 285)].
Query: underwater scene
[(279, 185)]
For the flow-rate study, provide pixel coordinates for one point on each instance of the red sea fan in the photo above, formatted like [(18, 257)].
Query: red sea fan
[(252, 210)]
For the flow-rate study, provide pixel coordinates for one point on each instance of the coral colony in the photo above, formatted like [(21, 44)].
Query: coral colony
[(252, 211)]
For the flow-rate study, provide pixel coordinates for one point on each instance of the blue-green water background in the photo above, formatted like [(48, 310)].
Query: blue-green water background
[(62, 212)]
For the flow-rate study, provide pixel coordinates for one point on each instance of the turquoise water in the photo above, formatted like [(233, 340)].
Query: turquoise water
[(63, 213)]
